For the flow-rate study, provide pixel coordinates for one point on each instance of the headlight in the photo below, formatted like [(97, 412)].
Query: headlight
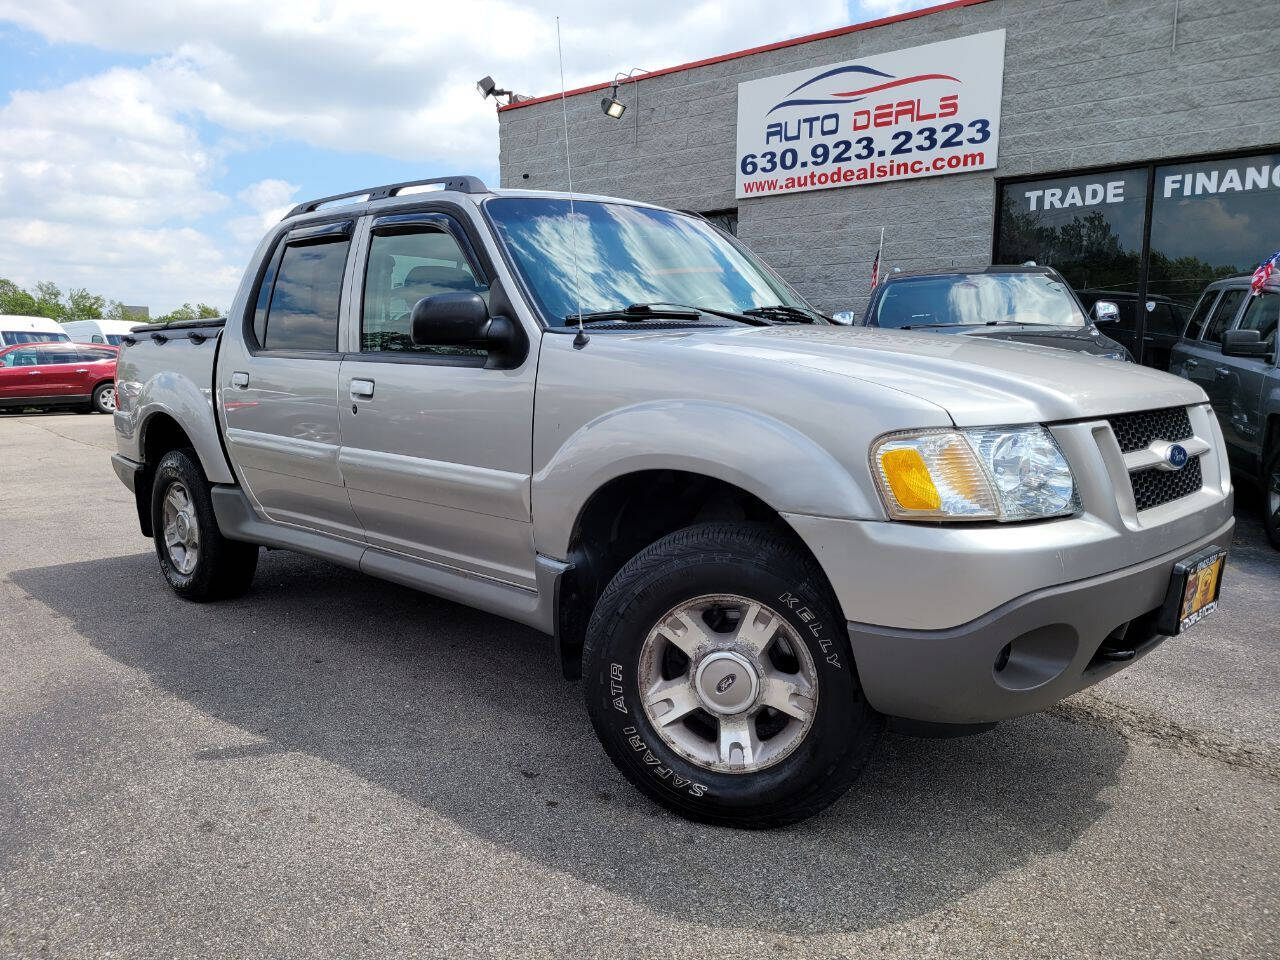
[(991, 473)]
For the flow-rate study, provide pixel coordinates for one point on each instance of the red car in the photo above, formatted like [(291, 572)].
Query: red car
[(58, 375)]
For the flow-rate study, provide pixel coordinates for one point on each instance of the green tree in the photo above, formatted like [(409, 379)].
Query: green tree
[(83, 305), (201, 311), (47, 300), (16, 301)]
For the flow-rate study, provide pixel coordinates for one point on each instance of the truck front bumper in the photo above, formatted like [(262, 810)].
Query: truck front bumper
[(1024, 655)]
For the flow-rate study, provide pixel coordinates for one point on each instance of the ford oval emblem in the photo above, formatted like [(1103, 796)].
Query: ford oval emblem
[(727, 681), (1177, 456)]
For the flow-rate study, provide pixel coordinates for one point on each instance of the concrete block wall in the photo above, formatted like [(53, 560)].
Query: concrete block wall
[(1087, 83)]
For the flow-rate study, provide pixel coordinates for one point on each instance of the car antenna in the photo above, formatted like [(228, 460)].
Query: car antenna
[(581, 340)]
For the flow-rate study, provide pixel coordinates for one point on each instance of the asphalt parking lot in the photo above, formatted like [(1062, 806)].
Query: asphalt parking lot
[(333, 766)]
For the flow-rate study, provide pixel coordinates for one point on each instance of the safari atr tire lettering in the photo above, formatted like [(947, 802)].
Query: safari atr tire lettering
[(224, 568), (749, 560)]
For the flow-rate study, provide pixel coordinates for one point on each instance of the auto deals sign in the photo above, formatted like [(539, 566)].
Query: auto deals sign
[(920, 112)]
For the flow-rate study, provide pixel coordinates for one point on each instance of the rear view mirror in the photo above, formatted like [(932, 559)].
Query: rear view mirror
[(1244, 343), (463, 320), (449, 319), (1105, 311)]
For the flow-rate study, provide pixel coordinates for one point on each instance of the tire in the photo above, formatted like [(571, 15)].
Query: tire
[(686, 768), (208, 566), (1271, 493), (104, 397)]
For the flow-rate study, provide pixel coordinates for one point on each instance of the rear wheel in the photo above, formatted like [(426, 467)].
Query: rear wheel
[(104, 398), (197, 560), (718, 677), (1271, 494)]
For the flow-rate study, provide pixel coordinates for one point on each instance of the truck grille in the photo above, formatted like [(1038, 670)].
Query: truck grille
[(1153, 486), (1135, 431)]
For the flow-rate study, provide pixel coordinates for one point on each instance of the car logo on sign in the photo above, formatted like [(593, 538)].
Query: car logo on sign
[(1176, 456)]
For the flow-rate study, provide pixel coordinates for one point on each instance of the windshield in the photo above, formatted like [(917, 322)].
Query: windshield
[(977, 298), (629, 255)]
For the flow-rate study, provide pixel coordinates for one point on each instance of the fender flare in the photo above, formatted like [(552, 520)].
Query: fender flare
[(760, 454), (189, 407)]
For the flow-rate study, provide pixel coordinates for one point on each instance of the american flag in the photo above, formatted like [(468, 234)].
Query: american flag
[(1262, 274), (875, 264)]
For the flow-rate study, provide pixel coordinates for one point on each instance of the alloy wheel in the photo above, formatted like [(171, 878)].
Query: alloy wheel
[(181, 529), (727, 683)]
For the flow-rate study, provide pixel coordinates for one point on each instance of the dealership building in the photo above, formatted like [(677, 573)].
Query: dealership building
[(1132, 144)]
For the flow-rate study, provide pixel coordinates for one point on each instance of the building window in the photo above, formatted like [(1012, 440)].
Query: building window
[(1210, 220), (1089, 228)]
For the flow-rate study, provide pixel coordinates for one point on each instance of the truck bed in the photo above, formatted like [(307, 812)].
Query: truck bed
[(169, 368)]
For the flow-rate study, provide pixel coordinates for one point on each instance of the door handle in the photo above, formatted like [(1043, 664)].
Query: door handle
[(361, 388), (1222, 371), (83, 370), (34, 373), (1191, 363), (239, 379)]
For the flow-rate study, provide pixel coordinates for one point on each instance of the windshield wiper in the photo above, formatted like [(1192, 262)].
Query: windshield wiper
[(1006, 323), (930, 326), (636, 312), (781, 313)]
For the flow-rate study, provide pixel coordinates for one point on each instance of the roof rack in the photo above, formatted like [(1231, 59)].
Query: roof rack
[(462, 184)]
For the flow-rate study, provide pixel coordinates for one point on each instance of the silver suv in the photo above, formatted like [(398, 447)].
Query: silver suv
[(754, 535)]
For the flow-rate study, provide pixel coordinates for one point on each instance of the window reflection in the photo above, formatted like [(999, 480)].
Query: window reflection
[(977, 299), (1089, 228), (627, 254), (1210, 220)]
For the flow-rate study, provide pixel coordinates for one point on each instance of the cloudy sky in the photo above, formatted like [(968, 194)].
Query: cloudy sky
[(144, 147)]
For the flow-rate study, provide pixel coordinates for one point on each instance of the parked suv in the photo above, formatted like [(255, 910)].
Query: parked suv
[(754, 536), (1025, 304), (51, 374), (1166, 321), (1230, 352)]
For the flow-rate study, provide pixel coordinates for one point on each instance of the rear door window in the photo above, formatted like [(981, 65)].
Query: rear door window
[(1222, 315), (56, 355), (302, 313)]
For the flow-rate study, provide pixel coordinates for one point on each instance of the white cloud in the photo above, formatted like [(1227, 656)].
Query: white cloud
[(268, 201), (106, 178)]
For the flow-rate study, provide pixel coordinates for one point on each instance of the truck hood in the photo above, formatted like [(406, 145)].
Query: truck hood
[(1081, 339), (977, 380)]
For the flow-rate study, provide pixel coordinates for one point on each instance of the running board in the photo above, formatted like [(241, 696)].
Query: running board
[(535, 608)]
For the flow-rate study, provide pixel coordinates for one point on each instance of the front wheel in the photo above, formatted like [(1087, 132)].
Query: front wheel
[(197, 560), (719, 678)]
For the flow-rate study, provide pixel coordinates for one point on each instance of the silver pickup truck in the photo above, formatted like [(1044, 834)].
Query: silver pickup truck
[(754, 535)]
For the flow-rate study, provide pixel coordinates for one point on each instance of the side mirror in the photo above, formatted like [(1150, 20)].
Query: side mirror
[(844, 318), (463, 320), (1105, 311), (1244, 343)]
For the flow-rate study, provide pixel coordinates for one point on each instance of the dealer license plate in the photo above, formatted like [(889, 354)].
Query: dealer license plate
[(1193, 590)]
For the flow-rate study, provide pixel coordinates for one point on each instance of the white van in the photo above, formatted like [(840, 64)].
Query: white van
[(99, 331), (18, 329)]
